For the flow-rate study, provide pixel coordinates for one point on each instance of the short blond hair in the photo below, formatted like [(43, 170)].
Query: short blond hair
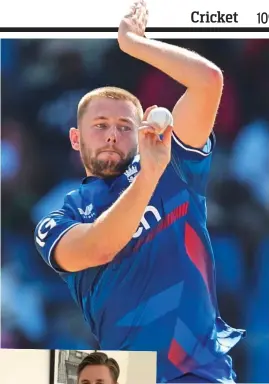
[(110, 93)]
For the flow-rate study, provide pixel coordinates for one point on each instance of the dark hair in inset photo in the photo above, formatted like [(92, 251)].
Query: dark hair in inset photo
[(100, 358)]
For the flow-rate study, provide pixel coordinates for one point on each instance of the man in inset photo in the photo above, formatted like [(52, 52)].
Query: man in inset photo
[(98, 368)]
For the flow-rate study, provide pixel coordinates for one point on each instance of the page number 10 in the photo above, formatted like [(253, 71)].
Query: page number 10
[(263, 17)]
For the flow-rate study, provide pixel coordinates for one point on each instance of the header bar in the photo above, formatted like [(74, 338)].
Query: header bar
[(107, 13)]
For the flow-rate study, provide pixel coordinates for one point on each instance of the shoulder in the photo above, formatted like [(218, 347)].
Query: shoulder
[(186, 152), (73, 199)]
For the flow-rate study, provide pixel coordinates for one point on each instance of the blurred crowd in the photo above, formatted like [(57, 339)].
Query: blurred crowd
[(42, 82)]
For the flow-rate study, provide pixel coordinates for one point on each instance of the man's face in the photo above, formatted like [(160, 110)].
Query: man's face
[(95, 374), (107, 136)]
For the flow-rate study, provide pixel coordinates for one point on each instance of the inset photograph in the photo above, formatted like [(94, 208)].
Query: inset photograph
[(77, 367)]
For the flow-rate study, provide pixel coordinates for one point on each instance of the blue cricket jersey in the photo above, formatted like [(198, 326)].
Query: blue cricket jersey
[(159, 292)]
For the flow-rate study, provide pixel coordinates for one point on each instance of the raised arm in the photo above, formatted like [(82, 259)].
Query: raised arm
[(195, 112)]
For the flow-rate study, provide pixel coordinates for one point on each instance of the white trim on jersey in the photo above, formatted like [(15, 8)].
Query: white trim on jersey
[(196, 150), (55, 241)]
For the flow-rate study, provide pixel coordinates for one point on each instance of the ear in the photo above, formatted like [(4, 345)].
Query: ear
[(74, 135)]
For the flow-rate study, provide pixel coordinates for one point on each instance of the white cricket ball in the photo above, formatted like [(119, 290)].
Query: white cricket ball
[(160, 118)]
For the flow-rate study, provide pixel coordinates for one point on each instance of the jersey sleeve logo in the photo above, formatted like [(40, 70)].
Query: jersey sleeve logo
[(88, 213), (44, 227)]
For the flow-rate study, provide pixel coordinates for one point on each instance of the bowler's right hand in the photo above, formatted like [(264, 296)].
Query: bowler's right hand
[(155, 152)]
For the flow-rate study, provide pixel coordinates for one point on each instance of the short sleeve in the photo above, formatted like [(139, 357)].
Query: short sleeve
[(192, 165), (49, 231)]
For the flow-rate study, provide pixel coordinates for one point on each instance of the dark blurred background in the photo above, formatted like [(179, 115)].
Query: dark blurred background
[(42, 82)]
